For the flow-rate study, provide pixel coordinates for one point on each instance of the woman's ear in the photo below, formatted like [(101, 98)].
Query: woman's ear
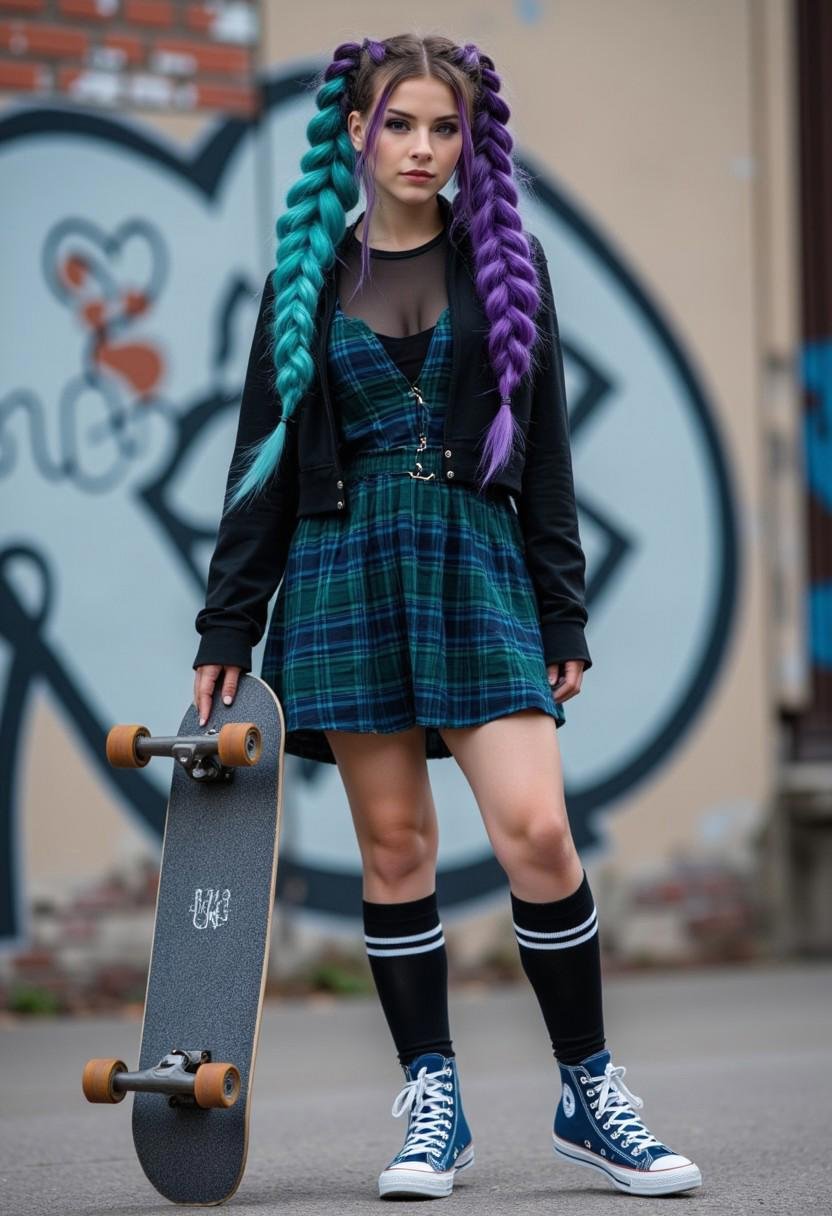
[(355, 130)]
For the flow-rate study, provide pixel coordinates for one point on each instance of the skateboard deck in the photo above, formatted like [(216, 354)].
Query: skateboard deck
[(210, 952)]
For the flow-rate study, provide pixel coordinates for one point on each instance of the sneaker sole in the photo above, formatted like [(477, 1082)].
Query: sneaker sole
[(402, 1183), (632, 1181)]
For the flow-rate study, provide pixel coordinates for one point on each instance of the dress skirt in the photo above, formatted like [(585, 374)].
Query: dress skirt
[(417, 606)]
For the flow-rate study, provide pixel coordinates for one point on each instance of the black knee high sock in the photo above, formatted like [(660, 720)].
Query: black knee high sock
[(561, 956), (409, 963)]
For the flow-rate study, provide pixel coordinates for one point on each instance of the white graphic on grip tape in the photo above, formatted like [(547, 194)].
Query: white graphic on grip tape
[(210, 907)]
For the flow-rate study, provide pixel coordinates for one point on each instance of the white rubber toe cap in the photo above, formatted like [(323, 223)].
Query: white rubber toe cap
[(412, 1167), (670, 1161)]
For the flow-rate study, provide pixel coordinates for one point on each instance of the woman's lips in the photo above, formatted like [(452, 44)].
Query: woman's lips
[(419, 177)]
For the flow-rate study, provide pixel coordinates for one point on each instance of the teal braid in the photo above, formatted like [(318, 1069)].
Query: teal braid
[(308, 233)]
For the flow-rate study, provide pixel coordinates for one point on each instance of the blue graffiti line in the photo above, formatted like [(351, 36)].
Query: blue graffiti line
[(820, 624), (816, 370)]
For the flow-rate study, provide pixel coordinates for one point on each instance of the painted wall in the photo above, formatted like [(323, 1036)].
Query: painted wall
[(134, 246)]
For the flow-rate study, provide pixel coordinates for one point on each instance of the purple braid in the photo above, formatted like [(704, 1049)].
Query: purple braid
[(505, 275)]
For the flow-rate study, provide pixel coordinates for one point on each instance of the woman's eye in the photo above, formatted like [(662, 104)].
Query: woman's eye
[(448, 127)]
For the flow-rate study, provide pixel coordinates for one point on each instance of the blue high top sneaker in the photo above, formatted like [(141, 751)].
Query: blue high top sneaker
[(596, 1125), (438, 1142)]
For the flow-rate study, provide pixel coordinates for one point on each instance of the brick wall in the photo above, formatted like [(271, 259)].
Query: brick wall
[(133, 54)]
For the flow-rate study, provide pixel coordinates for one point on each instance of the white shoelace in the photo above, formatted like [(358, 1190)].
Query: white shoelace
[(616, 1100), (429, 1125)]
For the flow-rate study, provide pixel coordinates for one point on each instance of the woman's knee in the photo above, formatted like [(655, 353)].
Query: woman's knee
[(388, 790), (537, 842), (395, 852)]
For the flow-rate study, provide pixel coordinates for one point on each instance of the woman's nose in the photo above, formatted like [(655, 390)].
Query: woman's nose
[(422, 145)]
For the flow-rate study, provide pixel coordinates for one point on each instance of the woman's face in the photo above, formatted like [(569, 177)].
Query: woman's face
[(420, 130)]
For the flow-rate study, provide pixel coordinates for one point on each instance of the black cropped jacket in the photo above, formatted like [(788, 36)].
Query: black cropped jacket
[(252, 543)]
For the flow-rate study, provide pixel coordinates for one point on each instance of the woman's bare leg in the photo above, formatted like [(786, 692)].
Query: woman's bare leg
[(386, 781)]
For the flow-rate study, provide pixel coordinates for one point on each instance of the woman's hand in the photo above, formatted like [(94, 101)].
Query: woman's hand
[(205, 682), (565, 678)]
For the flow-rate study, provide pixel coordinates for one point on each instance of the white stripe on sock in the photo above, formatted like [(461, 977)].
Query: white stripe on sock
[(575, 941), (409, 950), (413, 937), (560, 932)]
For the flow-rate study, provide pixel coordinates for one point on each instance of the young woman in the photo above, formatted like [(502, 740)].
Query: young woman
[(402, 463)]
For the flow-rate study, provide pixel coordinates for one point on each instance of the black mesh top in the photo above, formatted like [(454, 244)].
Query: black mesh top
[(401, 301)]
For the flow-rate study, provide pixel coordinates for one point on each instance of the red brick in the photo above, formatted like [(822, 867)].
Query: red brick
[(66, 77), (26, 38), (206, 19), (27, 6), (208, 58), (36, 960), (199, 17), (149, 12), (89, 10), (19, 75), (133, 48), (231, 100)]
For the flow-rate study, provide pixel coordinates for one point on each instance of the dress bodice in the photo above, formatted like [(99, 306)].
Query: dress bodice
[(376, 406)]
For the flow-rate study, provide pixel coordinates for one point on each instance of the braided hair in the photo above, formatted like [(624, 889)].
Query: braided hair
[(485, 206), (505, 275)]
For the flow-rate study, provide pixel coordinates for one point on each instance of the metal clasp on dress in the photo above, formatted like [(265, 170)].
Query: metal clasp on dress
[(419, 476), (416, 392)]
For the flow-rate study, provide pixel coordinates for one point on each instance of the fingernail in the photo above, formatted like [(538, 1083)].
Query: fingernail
[(227, 700), (201, 721)]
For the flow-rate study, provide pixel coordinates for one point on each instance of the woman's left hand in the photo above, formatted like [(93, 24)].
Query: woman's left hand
[(565, 678)]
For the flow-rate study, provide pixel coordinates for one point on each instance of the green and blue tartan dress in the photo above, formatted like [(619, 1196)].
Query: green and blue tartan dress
[(417, 606)]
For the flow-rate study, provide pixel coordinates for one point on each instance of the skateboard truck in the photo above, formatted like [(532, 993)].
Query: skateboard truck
[(187, 1077), (212, 756)]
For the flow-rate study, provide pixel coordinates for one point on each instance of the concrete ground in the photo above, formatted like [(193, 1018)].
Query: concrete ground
[(734, 1067)]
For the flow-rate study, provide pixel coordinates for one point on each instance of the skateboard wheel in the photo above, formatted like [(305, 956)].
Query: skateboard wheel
[(97, 1081), (216, 1085), (121, 746), (239, 744)]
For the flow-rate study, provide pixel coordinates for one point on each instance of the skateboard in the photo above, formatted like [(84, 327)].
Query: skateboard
[(192, 1090)]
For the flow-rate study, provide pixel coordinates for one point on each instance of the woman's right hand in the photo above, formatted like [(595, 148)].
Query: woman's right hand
[(205, 683)]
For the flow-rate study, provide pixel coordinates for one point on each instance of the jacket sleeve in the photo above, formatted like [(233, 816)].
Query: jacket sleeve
[(546, 509), (252, 541)]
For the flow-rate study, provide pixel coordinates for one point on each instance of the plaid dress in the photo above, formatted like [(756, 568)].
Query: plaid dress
[(417, 606)]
